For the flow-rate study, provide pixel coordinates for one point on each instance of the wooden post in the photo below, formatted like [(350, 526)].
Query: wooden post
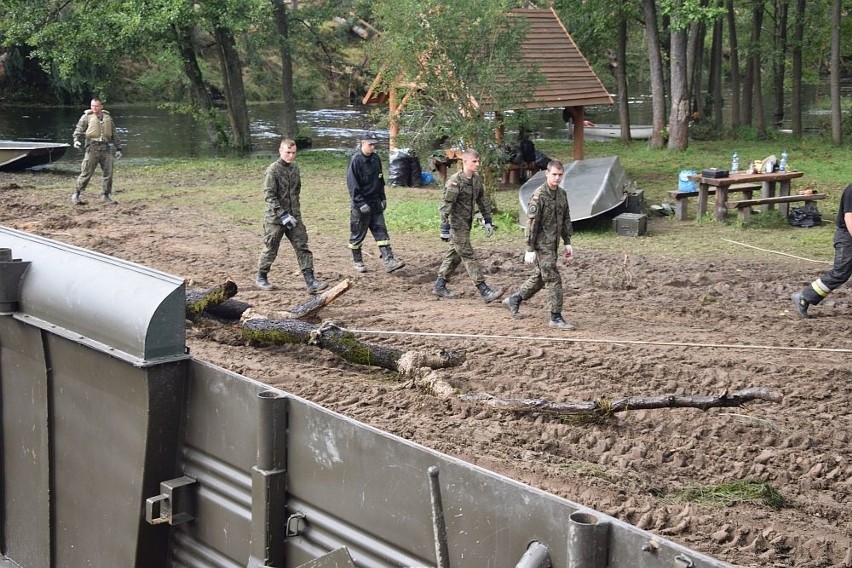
[(393, 118), (578, 118)]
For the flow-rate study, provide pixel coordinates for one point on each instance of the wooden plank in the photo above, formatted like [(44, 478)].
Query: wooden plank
[(745, 187), (766, 200)]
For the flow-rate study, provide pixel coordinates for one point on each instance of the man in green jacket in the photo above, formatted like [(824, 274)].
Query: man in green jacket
[(548, 221)]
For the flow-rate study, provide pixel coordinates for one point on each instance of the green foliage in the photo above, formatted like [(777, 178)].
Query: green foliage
[(731, 493)]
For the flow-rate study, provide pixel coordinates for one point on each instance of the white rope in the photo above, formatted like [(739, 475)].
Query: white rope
[(610, 341), (777, 252)]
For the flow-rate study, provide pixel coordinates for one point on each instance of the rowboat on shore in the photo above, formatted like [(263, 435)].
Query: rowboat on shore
[(613, 131), (20, 154)]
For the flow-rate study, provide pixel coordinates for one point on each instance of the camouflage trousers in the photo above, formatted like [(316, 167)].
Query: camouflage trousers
[(460, 251), (273, 233), (97, 154), (545, 275)]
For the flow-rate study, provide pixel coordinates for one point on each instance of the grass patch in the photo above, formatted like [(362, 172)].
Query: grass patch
[(734, 492)]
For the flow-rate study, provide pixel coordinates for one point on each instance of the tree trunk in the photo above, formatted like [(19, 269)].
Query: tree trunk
[(713, 105), (779, 60), (199, 301), (198, 90), (232, 78), (834, 80), (655, 60), (736, 96), (759, 120), (603, 408), (798, 39), (621, 78), (695, 62), (679, 113), (289, 125)]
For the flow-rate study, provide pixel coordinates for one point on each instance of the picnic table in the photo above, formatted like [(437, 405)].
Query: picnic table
[(767, 200)]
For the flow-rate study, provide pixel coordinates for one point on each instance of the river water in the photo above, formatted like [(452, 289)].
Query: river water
[(151, 132)]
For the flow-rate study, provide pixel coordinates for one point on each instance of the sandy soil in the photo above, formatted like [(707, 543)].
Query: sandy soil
[(732, 318)]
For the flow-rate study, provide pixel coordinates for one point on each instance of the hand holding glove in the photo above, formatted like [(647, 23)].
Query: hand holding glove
[(288, 221), (569, 252), (77, 144), (529, 257), (364, 209), (445, 231), (489, 230), (118, 154)]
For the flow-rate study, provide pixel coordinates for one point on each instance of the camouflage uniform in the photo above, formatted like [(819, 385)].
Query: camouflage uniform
[(461, 196), (549, 219), (282, 185), (98, 135)]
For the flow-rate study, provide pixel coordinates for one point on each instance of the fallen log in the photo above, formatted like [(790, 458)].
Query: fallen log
[(199, 300), (316, 303), (603, 407), (344, 344), (229, 311)]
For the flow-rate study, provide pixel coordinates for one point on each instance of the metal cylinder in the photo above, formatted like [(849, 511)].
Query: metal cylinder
[(588, 541), (442, 554), (536, 556), (11, 272), (268, 430)]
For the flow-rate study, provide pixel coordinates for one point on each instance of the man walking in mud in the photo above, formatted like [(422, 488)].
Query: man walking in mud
[(464, 193), (842, 269), (282, 186), (96, 132), (548, 220), (366, 184)]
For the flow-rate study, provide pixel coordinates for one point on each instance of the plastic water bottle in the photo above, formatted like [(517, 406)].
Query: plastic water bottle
[(735, 163), (782, 167)]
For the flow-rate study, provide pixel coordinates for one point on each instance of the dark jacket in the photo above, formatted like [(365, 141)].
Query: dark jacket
[(365, 179)]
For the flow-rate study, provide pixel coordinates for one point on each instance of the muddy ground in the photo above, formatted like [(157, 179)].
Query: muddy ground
[(732, 318)]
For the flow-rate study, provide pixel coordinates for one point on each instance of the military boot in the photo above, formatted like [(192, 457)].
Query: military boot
[(313, 284), (440, 289), (513, 303), (358, 261), (488, 295), (75, 198), (801, 305), (391, 263), (557, 321), (261, 281), (107, 200)]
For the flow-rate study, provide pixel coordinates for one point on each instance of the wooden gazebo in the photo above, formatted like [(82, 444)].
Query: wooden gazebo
[(570, 83)]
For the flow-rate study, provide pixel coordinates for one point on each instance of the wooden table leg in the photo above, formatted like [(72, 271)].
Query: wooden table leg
[(702, 200), (783, 191), (721, 199), (767, 190)]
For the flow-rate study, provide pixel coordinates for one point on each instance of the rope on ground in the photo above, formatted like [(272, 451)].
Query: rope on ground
[(777, 252), (745, 346)]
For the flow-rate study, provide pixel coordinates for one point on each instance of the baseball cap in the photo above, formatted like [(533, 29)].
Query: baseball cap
[(370, 137)]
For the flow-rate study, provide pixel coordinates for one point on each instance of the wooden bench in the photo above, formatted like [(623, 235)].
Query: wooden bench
[(513, 172), (682, 197), (744, 206)]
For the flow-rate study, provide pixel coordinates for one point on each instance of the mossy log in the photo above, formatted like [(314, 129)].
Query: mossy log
[(344, 344), (316, 303), (199, 300), (603, 407), (229, 311)]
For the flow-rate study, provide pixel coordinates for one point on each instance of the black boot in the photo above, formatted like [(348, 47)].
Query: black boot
[(391, 263), (801, 305), (557, 321), (513, 303), (358, 261), (313, 284), (488, 295), (440, 289), (261, 281)]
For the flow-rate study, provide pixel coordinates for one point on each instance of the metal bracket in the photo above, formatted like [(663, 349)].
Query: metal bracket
[(296, 524), (170, 505), (686, 560)]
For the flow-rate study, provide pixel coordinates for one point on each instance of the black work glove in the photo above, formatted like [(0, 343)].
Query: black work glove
[(445, 231), (364, 209), (288, 221), (384, 205)]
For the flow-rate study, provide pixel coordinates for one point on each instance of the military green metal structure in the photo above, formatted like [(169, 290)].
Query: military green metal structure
[(119, 449)]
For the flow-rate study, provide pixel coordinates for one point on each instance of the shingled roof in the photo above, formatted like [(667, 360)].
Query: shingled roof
[(570, 80)]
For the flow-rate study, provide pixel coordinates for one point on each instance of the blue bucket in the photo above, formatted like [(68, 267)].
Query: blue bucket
[(683, 181)]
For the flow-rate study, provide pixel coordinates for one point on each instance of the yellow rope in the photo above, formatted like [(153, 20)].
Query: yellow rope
[(610, 341), (776, 252)]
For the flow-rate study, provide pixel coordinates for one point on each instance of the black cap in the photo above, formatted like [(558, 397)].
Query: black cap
[(370, 137)]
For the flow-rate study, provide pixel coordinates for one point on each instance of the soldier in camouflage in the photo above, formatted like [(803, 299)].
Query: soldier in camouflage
[(549, 219), (96, 130), (462, 195), (282, 185)]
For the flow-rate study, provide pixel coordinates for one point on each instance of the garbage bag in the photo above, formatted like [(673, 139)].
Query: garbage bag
[(807, 216), (399, 169), (415, 172)]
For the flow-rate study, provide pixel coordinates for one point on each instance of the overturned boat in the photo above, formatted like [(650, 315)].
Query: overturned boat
[(21, 154), (596, 188)]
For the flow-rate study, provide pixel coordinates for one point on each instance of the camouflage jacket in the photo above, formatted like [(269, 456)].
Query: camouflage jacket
[(461, 197), (282, 185), (548, 219)]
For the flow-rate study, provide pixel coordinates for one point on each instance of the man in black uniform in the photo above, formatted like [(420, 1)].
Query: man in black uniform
[(366, 184), (842, 270)]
